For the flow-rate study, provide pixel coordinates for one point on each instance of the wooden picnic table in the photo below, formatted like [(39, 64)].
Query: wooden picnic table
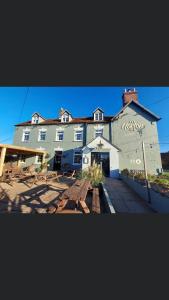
[(46, 176), (76, 193)]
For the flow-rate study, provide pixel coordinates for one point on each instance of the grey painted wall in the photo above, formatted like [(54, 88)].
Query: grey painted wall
[(130, 142)]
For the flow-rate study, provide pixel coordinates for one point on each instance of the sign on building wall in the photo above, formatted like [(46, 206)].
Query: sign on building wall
[(132, 125)]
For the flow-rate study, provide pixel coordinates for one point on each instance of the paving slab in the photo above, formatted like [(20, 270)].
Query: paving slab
[(124, 199)]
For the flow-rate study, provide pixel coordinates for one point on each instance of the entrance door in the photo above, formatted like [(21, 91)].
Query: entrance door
[(57, 160), (102, 158)]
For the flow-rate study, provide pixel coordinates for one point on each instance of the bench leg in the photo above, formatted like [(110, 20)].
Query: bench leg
[(84, 207), (61, 205)]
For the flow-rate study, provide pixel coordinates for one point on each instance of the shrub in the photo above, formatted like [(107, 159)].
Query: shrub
[(93, 173), (125, 172)]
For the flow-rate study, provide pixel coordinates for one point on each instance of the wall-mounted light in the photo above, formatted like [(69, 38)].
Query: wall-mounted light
[(85, 160)]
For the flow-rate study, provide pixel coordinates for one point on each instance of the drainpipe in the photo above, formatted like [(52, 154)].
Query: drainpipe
[(110, 132), (85, 134)]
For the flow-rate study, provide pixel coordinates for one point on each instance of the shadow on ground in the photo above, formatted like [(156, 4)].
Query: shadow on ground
[(34, 200)]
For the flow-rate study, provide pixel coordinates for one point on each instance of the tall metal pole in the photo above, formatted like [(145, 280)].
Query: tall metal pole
[(145, 170)]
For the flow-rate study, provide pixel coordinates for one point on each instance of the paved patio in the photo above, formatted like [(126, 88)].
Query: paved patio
[(125, 200), (23, 199)]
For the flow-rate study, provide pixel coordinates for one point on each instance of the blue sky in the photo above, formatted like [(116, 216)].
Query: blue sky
[(80, 101)]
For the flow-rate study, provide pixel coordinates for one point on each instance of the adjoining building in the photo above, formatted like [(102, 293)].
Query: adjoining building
[(113, 141)]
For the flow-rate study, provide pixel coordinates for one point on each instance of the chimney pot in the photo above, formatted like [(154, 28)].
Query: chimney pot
[(128, 95)]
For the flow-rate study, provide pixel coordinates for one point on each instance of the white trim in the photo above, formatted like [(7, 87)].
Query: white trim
[(66, 115), (99, 126), (112, 210), (58, 149), (40, 148), (78, 128), (98, 113), (60, 128), (75, 136), (36, 159), (79, 150), (23, 135), (56, 137), (98, 129), (26, 129), (41, 130)]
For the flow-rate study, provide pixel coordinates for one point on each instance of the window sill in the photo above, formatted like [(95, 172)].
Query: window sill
[(77, 141)]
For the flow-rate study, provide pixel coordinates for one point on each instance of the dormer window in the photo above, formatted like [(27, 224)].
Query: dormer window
[(65, 116), (36, 118), (98, 114)]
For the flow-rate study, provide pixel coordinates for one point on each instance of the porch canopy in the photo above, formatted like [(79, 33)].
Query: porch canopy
[(6, 149)]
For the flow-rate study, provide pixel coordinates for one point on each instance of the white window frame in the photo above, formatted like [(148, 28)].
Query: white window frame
[(97, 116), (98, 129), (23, 135), (21, 160), (36, 159), (75, 135), (39, 135), (57, 132), (74, 154), (35, 119), (65, 118)]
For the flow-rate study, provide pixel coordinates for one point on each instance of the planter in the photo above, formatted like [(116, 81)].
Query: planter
[(159, 202)]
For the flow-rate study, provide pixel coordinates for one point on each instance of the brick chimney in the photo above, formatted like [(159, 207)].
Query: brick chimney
[(128, 95)]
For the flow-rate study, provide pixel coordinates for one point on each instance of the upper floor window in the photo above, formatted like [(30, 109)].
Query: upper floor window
[(35, 120), (65, 118), (42, 135), (59, 135), (99, 116), (78, 135), (98, 132), (26, 136)]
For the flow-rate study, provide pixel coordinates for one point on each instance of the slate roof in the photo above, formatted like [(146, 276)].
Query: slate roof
[(140, 106), (89, 120), (102, 137), (73, 121)]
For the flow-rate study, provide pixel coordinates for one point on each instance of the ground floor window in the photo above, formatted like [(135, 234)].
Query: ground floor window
[(39, 159), (77, 159), (22, 158)]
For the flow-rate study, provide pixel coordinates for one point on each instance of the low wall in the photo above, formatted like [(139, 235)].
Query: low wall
[(159, 202), (105, 196)]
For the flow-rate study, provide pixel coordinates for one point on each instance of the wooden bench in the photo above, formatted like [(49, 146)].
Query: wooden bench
[(96, 201), (76, 193)]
